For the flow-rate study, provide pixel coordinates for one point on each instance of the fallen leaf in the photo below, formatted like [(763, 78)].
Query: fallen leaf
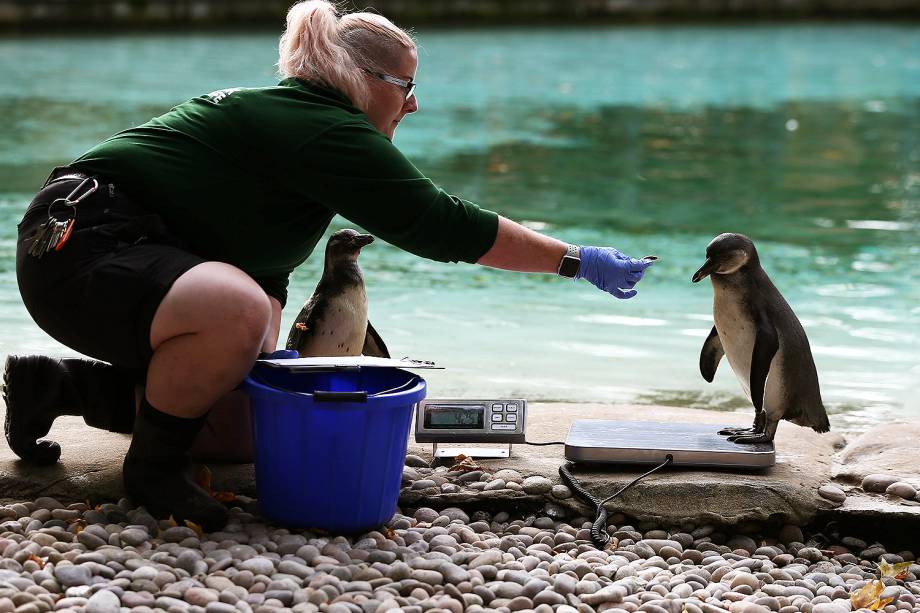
[(300, 326), (465, 464), (897, 571), (390, 533), (37, 560), (194, 527), (172, 521), (868, 596)]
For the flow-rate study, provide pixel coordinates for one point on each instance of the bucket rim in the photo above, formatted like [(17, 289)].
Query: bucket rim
[(420, 386)]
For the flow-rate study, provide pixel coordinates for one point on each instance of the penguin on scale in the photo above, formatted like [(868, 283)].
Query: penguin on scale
[(763, 340), (333, 321)]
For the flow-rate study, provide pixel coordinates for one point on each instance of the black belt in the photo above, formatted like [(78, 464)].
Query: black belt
[(65, 173)]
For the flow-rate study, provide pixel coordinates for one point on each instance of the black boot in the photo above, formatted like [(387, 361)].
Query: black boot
[(37, 389), (157, 470)]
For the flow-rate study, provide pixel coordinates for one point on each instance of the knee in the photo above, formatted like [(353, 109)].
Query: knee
[(250, 313)]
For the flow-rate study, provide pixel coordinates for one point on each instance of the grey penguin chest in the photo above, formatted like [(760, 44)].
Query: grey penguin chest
[(738, 331), (343, 326)]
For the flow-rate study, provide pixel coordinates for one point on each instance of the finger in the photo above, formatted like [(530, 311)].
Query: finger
[(638, 265), (623, 295), (635, 277), (627, 284)]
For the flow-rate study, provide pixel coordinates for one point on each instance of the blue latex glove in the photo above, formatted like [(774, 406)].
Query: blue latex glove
[(610, 270), (280, 354)]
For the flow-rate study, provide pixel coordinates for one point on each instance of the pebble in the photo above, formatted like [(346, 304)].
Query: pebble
[(537, 485), (878, 483), (832, 493), (427, 559), (103, 601), (901, 489)]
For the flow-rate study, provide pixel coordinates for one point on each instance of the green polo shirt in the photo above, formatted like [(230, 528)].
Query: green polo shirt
[(252, 177)]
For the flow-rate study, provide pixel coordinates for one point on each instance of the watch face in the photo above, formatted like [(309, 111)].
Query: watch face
[(569, 266)]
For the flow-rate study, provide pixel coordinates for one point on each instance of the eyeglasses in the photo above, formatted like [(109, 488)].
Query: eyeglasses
[(409, 86)]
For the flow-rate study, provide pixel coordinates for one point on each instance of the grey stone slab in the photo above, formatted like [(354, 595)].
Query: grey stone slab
[(786, 491), (90, 468)]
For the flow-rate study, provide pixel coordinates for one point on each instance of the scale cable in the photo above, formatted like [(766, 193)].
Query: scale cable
[(599, 535)]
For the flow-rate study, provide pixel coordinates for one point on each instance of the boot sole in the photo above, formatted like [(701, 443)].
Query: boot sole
[(20, 434)]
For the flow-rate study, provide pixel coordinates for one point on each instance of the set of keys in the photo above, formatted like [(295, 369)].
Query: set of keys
[(54, 233)]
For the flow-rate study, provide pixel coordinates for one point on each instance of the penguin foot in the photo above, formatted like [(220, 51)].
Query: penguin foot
[(752, 438), (736, 431)]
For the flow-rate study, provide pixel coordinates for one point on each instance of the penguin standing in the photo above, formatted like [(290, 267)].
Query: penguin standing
[(333, 322), (764, 341)]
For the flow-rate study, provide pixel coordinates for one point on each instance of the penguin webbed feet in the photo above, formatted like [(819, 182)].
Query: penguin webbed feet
[(737, 431), (761, 437)]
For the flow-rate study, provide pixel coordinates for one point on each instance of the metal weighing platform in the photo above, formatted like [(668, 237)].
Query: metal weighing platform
[(637, 442)]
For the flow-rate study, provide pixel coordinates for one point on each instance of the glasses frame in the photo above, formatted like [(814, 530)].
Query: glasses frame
[(409, 85)]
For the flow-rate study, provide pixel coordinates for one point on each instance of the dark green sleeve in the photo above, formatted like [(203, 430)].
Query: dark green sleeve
[(355, 171)]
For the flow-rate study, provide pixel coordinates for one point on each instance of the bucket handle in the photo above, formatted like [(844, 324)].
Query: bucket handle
[(323, 396)]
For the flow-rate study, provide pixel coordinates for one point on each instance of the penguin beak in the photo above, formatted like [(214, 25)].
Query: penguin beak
[(704, 270), (362, 240)]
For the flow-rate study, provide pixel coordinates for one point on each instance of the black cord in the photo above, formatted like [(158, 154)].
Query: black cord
[(543, 444), (599, 535)]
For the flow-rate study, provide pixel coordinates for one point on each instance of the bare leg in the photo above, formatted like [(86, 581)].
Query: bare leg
[(205, 336)]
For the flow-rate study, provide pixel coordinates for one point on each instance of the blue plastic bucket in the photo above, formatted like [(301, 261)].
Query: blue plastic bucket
[(330, 446)]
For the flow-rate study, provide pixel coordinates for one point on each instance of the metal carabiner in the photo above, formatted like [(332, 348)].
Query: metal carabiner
[(69, 200)]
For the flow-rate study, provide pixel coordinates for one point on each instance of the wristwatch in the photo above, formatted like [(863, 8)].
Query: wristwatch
[(568, 266)]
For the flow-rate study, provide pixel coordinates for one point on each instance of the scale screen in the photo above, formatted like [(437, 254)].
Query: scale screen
[(447, 417)]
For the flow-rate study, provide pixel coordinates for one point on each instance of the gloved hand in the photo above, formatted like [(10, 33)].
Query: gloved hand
[(280, 354), (610, 270)]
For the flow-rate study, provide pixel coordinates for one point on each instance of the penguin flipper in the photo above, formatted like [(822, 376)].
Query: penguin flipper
[(766, 344), (373, 344), (710, 355), (301, 329)]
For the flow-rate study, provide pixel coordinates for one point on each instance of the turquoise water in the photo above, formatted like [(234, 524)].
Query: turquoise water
[(651, 139)]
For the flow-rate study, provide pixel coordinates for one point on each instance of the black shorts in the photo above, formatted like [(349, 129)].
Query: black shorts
[(99, 293)]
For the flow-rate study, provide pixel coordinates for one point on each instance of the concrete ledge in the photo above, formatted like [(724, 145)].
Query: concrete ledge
[(90, 469)]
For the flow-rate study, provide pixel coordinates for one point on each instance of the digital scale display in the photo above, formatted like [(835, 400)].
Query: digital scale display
[(455, 417), (455, 420)]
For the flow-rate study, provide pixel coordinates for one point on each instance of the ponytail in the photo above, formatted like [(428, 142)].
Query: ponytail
[(320, 45)]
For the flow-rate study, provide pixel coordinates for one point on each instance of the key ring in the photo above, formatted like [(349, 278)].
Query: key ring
[(70, 201)]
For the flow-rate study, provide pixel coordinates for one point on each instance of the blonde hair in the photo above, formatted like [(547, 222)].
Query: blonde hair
[(320, 44)]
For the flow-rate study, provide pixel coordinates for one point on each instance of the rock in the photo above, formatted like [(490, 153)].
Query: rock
[(258, 566), (103, 601), (902, 489), (489, 557), (69, 576), (495, 484), (454, 513), (426, 515), (878, 483), (508, 476), (416, 461), (134, 536), (537, 485), (832, 492), (561, 492)]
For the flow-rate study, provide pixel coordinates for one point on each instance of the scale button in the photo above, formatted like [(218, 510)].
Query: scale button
[(512, 407), (511, 418), (497, 407), (496, 417), (503, 426)]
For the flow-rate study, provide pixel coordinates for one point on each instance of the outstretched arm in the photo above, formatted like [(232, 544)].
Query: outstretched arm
[(522, 249)]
